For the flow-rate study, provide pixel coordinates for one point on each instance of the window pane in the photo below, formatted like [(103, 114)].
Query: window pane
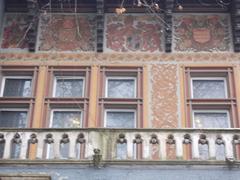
[(17, 87), (66, 119), (121, 88), (69, 88), (209, 89), (120, 119), (211, 120), (13, 119)]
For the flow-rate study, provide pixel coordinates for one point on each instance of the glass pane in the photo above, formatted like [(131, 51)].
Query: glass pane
[(66, 119), (209, 89), (211, 120), (120, 119), (13, 119), (17, 87), (69, 88), (121, 88)]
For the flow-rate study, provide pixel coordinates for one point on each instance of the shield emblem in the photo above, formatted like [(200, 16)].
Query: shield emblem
[(201, 35)]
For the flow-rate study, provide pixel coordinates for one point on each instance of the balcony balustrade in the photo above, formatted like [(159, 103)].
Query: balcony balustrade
[(116, 144)]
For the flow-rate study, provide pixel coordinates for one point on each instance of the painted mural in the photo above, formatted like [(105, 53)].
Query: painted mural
[(133, 33), (14, 31), (202, 33), (61, 32)]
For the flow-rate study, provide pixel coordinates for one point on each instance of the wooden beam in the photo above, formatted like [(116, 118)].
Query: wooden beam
[(235, 17), (33, 17), (169, 5), (100, 25)]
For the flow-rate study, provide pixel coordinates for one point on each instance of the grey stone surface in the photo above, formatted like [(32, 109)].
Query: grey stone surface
[(75, 172)]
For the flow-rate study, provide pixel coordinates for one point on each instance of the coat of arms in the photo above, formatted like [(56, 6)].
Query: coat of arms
[(201, 35)]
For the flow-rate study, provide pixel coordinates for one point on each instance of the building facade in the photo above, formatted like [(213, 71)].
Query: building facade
[(89, 91)]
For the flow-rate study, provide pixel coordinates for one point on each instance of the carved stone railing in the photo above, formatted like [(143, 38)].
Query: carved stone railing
[(133, 144)]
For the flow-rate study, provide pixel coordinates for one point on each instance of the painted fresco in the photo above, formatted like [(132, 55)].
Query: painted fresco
[(14, 31), (61, 32), (133, 33), (202, 33)]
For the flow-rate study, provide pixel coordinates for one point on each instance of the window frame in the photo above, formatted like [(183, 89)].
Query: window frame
[(209, 79), (67, 77), (65, 110), (19, 110), (120, 78), (51, 102), (211, 111), (204, 72), (15, 77), (120, 110), (104, 102)]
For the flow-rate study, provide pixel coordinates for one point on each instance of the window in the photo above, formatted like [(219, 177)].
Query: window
[(17, 101), (67, 98), (68, 87), (211, 119), (120, 118), (120, 100), (209, 88), (66, 118), (13, 118), (19, 86), (121, 87), (210, 97)]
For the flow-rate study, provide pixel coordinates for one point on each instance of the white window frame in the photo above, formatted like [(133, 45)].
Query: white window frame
[(210, 111), (13, 77), (67, 78), (18, 110), (120, 110), (210, 79), (65, 110), (121, 78)]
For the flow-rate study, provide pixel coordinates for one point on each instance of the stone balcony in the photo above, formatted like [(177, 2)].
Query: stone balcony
[(118, 145)]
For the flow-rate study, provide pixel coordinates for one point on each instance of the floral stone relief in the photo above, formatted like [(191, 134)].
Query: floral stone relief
[(61, 32), (201, 33), (133, 33), (14, 30)]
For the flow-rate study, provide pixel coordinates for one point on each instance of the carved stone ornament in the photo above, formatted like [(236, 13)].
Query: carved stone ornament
[(154, 139), (219, 140), (2, 140), (64, 139), (236, 139), (138, 139), (170, 139), (121, 139), (203, 139), (49, 139), (187, 139), (17, 139), (81, 139), (33, 139), (97, 157)]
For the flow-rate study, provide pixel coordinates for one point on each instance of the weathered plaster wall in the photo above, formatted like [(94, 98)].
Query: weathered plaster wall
[(198, 32), (14, 31), (75, 172), (67, 32), (133, 33)]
